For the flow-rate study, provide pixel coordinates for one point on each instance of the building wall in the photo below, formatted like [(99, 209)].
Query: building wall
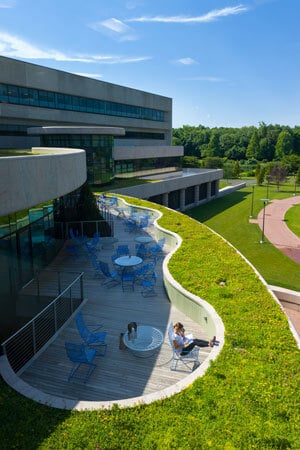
[(26, 181), (33, 76)]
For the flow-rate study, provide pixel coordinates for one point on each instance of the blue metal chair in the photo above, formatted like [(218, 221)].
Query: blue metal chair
[(122, 250), (148, 284), (91, 337), (79, 354), (128, 279), (112, 278)]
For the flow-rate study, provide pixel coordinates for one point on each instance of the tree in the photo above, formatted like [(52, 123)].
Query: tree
[(277, 174), (260, 174), (236, 170), (253, 150), (284, 145)]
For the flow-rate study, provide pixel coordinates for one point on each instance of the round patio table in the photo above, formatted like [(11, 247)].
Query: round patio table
[(145, 342), (128, 261), (143, 239)]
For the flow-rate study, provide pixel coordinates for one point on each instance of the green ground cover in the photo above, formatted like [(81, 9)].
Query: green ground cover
[(248, 398), (292, 219), (229, 216)]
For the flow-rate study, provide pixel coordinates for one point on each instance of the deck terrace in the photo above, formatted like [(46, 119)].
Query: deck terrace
[(119, 374)]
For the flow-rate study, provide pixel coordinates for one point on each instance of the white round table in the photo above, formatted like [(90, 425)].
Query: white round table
[(143, 239), (145, 342), (128, 261)]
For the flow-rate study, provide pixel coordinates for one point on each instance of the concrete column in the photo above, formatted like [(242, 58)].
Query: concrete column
[(182, 199), (165, 200), (208, 190), (196, 194)]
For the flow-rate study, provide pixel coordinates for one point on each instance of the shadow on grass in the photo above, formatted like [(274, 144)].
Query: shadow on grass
[(217, 206), (24, 423)]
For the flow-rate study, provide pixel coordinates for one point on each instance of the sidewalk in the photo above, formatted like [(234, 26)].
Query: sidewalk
[(276, 230), (278, 233)]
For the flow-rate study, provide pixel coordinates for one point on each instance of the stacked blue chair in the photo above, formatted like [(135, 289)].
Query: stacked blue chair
[(91, 338)]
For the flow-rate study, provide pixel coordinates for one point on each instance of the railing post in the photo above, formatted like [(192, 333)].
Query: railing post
[(38, 285), (33, 337), (55, 316)]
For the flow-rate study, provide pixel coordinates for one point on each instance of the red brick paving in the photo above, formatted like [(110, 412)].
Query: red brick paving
[(278, 233)]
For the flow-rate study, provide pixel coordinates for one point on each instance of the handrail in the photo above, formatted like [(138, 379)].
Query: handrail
[(25, 343)]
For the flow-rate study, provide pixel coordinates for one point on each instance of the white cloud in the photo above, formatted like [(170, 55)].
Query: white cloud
[(115, 28), (15, 47), (7, 4), (186, 61), (209, 17)]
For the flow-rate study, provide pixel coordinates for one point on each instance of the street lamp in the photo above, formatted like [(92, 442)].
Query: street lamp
[(295, 185), (268, 181), (265, 200), (252, 199)]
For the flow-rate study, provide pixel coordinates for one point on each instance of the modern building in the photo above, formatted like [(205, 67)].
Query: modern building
[(124, 132), (37, 96)]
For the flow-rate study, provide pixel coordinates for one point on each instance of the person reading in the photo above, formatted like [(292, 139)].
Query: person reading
[(183, 344)]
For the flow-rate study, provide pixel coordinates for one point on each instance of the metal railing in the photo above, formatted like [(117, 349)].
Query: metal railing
[(23, 345)]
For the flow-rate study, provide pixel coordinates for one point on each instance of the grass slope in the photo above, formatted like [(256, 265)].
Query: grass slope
[(248, 399)]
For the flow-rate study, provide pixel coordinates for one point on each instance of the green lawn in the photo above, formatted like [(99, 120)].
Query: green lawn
[(249, 396), (229, 216), (292, 219)]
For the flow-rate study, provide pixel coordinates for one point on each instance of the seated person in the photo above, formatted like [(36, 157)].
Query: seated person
[(183, 344)]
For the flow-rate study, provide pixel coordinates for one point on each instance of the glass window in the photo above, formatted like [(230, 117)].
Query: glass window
[(3, 93)]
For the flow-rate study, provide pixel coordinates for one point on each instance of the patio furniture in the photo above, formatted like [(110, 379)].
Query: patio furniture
[(90, 337), (157, 249), (128, 261), (122, 250), (79, 354), (190, 360), (145, 342), (107, 242), (144, 239), (128, 280), (112, 277), (148, 283)]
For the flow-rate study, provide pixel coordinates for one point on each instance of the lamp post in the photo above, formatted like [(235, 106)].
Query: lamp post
[(295, 185), (252, 199), (268, 181), (265, 200)]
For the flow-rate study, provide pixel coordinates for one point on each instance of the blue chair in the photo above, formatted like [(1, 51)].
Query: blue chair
[(128, 279), (148, 284), (158, 248), (112, 278), (122, 250), (91, 338), (79, 354)]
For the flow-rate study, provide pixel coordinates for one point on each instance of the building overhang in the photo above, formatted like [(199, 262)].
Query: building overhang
[(111, 131), (143, 152)]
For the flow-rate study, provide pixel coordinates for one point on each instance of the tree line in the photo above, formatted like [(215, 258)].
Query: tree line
[(252, 145)]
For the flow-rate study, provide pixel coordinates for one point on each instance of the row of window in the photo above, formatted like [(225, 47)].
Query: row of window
[(47, 99)]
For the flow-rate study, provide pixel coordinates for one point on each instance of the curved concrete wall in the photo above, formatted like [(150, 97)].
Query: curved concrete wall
[(26, 181)]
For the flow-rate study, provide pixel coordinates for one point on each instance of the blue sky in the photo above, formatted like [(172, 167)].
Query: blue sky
[(224, 62)]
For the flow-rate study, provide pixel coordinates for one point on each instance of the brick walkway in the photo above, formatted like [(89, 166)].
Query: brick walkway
[(278, 233)]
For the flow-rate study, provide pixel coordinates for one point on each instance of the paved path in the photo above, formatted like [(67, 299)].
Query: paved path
[(278, 233), (276, 230)]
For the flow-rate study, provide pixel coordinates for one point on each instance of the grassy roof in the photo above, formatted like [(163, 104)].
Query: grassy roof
[(248, 398)]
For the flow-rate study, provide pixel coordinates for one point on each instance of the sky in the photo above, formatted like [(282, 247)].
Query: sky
[(223, 62)]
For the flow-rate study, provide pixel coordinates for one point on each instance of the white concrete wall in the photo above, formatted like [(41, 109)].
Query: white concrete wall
[(141, 152), (26, 181)]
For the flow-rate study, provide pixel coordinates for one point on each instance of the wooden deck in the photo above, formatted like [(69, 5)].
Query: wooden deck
[(119, 374)]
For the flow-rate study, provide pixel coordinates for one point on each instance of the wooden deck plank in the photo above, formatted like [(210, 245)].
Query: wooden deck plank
[(119, 374)]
